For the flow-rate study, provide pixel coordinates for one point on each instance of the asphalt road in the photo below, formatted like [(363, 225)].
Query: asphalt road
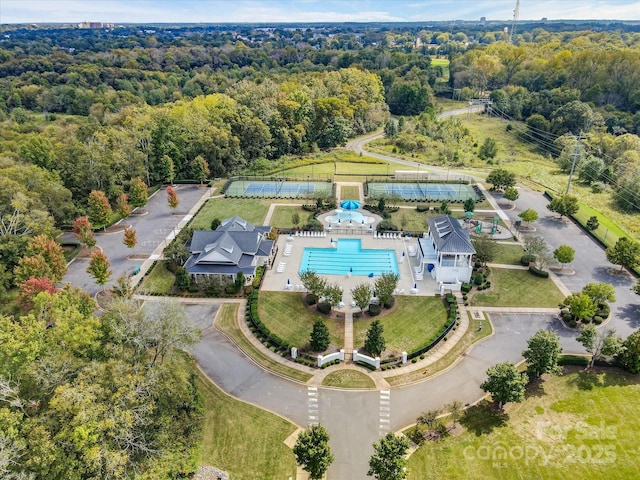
[(151, 229)]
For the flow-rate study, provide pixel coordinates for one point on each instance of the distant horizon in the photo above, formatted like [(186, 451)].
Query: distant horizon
[(139, 12)]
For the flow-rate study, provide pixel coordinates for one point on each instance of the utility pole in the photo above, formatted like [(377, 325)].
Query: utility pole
[(576, 155)]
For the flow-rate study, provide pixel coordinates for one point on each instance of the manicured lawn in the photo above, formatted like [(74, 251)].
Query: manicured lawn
[(252, 210), (244, 440), (508, 254), (348, 379), (226, 322), (416, 221), (282, 215), (349, 192), (159, 281), (517, 288), (580, 425), (286, 315), (478, 329), (410, 324)]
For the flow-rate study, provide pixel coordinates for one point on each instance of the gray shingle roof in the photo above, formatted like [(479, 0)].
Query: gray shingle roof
[(449, 236), (229, 249)]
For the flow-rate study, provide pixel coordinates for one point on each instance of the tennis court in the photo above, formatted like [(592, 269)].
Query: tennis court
[(277, 189), (423, 191)]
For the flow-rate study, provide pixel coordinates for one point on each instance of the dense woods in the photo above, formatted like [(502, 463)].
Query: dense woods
[(90, 118)]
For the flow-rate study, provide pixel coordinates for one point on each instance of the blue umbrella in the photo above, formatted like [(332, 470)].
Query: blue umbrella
[(350, 204)]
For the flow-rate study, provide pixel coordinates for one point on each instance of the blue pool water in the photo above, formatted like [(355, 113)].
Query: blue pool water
[(349, 216), (349, 255)]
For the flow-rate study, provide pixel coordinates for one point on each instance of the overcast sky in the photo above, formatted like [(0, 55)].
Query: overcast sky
[(255, 11)]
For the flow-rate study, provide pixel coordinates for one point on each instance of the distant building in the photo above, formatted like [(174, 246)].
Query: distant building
[(95, 25), (235, 246)]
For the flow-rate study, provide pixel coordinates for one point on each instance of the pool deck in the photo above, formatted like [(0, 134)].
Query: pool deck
[(286, 267)]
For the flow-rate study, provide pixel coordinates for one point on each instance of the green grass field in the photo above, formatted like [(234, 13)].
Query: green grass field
[(517, 288), (282, 216), (287, 316), (579, 425), (478, 329), (226, 322), (244, 440), (350, 378), (508, 254), (409, 325), (159, 281), (252, 210)]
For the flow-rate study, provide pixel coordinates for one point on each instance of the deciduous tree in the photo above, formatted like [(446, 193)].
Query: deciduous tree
[(388, 461), (99, 268), (44, 258), (501, 179), (122, 205), (138, 192), (385, 285), (83, 230), (600, 292), (580, 305), (629, 356), (362, 294), (625, 253), (505, 383), (486, 248), (130, 237), (99, 208), (172, 197), (200, 169), (564, 205), (529, 215), (542, 353), (599, 344), (312, 451), (313, 283), (564, 254), (511, 194)]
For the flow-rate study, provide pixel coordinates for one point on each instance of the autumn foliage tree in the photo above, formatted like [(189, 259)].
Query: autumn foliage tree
[(99, 208), (83, 230), (130, 237), (122, 205), (99, 268), (33, 286), (138, 192), (172, 197), (44, 259)]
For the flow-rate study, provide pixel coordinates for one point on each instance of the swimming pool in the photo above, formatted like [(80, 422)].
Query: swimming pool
[(349, 257)]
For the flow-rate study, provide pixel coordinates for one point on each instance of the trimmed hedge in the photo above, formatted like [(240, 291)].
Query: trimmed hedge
[(324, 308), (374, 309), (538, 273), (526, 260)]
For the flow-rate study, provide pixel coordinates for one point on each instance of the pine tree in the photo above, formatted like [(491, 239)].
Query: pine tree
[(319, 339), (375, 342)]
